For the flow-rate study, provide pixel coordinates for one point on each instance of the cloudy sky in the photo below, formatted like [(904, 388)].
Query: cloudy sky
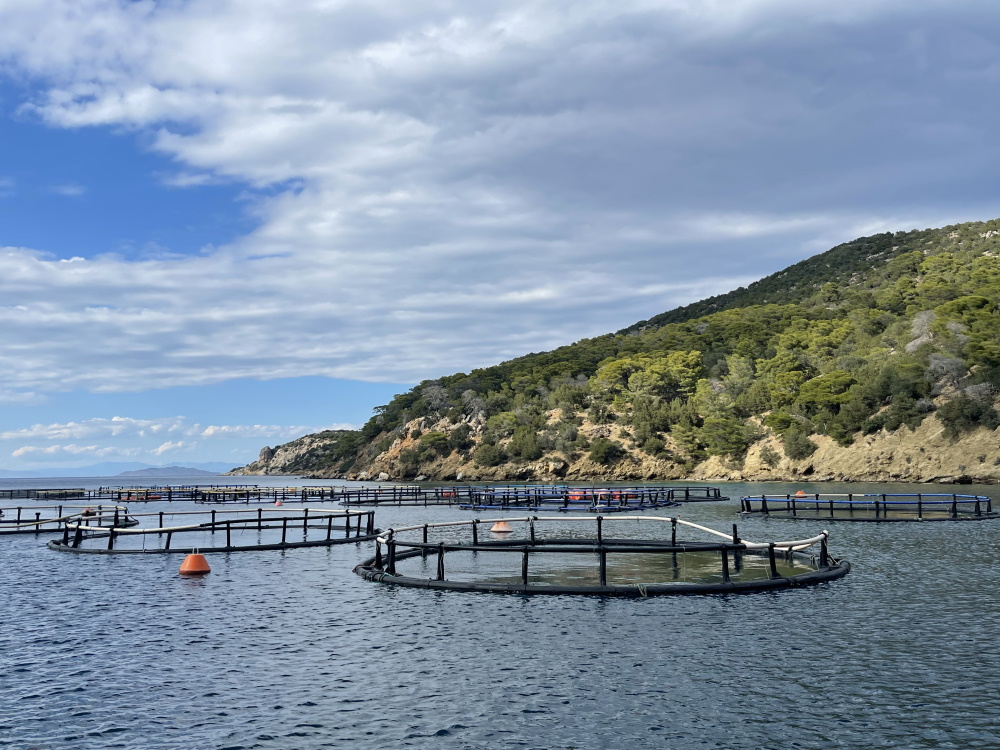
[(224, 223)]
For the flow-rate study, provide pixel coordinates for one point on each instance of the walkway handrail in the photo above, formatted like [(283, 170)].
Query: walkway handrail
[(812, 495), (310, 508), (796, 545), (97, 515), (119, 530)]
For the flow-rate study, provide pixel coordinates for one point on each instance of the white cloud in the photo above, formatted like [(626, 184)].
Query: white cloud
[(144, 440), (62, 451), (266, 431), (128, 427), (21, 398), (70, 190), (453, 184), (100, 427), (168, 447)]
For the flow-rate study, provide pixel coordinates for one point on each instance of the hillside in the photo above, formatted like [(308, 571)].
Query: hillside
[(168, 471), (888, 340)]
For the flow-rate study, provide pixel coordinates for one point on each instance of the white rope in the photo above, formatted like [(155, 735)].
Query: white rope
[(96, 516), (794, 546)]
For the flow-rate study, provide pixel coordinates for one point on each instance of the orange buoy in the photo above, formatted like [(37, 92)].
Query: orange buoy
[(195, 565), (278, 503), (800, 493), (501, 527)]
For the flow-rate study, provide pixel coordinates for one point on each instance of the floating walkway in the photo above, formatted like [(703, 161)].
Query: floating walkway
[(222, 494), (399, 495), (214, 493), (586, 499), (34, 493), (46, 518), (222, 531), (479, 556), (480, 497), (873, 507), (532, 497)]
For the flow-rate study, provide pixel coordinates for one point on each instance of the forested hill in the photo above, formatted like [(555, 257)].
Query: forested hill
[(868, 338), (838, 266)]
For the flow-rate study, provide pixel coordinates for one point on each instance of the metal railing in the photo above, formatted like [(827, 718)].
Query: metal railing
[(395, 545), (871, 506)]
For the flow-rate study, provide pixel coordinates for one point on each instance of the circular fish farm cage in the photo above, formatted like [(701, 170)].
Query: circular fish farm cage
[(37, 493), (255, 494), (531, 497), (41, 519), (578, 555), (400, 495), (585, 499), (872, 508), (222, 531)]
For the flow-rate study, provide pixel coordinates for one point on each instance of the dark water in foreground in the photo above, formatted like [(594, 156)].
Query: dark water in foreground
[(291, 650)]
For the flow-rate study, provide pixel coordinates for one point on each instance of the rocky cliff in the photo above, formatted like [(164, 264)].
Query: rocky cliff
[(300, 456), (923, 454)]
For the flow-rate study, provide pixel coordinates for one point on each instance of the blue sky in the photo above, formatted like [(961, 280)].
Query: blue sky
[(88, 191), (224, 224)]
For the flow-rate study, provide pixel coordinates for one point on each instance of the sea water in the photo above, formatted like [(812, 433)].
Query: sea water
[(292, 650)]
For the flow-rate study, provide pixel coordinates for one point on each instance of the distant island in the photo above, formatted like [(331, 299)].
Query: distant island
[(878, 360), (168, 471), (119, 468)]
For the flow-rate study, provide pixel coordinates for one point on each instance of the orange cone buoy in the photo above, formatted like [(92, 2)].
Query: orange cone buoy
[(501, 527), (195, 565), (278, 503), (800, 493)]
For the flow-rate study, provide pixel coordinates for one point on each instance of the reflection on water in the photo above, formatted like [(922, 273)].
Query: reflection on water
[(291, 650)]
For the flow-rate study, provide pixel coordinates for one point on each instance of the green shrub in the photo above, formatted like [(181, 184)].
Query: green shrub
[(569, 439), (599, 413), (779, 421), (964, 414), (524, 446), (459, 437), (724, 436), (797, 444), (657, 447), (489, 455), (605, 451), (435, 442), (769, 456), (409, 461), (840, 433)]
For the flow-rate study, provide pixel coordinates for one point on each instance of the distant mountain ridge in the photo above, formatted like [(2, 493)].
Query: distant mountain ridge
[(169, 471), (875, 360), (113, 469)]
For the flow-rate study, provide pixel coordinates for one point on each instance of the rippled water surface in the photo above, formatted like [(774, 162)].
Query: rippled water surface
[(291, 650)]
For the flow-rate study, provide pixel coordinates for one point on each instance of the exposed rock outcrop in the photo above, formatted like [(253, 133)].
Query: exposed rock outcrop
[(301, 456), (920, 455)]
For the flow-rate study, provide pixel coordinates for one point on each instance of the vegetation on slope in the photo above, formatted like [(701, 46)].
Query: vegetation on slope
[(874, 334)]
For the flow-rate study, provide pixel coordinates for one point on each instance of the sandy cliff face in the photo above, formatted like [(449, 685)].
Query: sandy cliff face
[(921, 455)]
